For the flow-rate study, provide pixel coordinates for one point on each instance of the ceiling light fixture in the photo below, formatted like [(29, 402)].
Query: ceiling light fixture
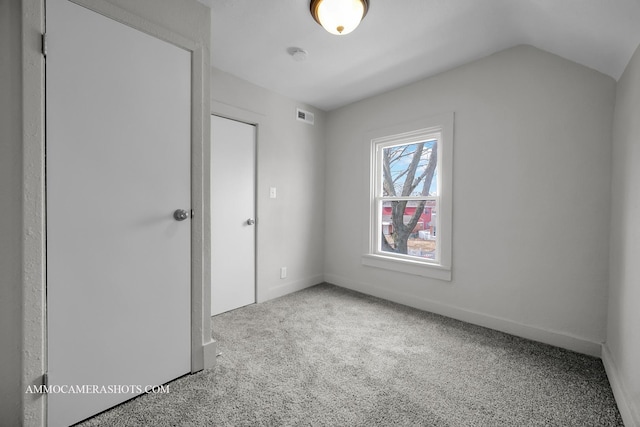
[(339, 17)]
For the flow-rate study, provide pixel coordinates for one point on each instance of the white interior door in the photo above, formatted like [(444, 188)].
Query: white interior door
[(232, 214), (118, 166)]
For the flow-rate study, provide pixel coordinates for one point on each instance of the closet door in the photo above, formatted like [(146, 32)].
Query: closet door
[(233, 225), (118, 167)]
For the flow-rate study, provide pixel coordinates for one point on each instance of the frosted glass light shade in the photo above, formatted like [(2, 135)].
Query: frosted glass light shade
[(339, 17)]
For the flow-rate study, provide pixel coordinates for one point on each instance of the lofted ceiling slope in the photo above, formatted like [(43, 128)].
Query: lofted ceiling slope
[(402, 41)]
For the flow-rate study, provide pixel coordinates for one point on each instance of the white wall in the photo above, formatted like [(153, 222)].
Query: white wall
[(622, 350), (11, 208), (531, 196), (290, 228)]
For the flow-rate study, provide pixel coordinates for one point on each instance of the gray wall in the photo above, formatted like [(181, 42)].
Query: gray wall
[(531, 196), (622, 349), (290, 228), (11, 208)]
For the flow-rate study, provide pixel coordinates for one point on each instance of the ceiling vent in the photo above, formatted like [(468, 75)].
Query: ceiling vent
[(304, 116)]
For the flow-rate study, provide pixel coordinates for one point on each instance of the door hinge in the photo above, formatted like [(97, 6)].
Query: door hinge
[(44, 45), (45, 382)]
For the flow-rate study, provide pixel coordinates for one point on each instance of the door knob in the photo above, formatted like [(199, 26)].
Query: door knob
[(251, 221), (180, 215)]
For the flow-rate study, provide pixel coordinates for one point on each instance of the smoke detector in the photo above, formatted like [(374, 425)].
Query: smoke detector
[(298, 54)]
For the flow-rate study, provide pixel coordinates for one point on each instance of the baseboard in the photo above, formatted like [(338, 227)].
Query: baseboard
[(628, 408), (292, 286), (557, 339)]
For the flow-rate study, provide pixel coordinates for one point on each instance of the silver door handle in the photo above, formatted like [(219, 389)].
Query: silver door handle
[(180, 215), (251, 221)]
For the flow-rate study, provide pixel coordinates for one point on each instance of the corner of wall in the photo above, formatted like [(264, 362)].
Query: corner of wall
[(293, 286), (628, 408), (557, 339), (622, 348)]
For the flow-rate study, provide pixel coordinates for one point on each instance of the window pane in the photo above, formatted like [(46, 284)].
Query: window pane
[(409, 227), (410, 169)]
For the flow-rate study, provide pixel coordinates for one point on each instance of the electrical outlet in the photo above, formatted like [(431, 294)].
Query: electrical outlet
[(272, 192), (283, 272)]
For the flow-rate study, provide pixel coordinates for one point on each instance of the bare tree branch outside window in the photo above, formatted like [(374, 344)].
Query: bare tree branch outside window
[(408, 170)]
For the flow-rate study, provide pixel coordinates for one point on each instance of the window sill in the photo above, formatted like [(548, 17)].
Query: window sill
[(407, 266)]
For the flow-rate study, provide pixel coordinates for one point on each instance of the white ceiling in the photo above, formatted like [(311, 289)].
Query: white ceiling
[(401, 41)]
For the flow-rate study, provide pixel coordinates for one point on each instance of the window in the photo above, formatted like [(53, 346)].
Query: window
[(410, 203)]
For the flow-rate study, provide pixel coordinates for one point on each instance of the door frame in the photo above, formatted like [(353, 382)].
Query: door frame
[(255, 123), (33, 251), (230, 112)]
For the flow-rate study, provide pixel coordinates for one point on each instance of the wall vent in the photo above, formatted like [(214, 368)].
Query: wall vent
[(304, 116)]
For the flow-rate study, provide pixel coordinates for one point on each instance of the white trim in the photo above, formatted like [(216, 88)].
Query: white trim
[(555, 338), (629, 409), (116, 13), (393, 140), (408, 198), (409, 266)]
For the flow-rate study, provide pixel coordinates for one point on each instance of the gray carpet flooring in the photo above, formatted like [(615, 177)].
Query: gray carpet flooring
[(326, 356)]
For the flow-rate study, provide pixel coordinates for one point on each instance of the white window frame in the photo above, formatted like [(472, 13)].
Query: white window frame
[(438, 127)]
